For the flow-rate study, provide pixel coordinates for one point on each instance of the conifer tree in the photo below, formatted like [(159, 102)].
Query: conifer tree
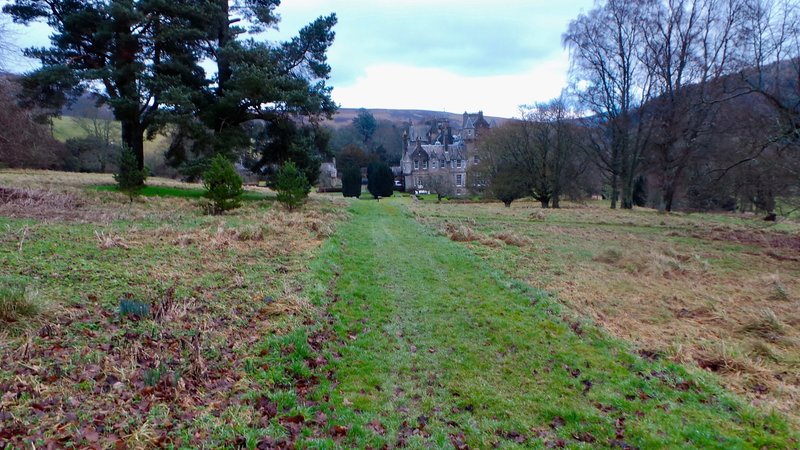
[(223, 185), (130, 178), (292, 186), (351, 181), (380, 180)]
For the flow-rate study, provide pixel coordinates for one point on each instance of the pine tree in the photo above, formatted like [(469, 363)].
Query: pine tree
[(292, 186), (223, 185), (269, 84), (130, 178), (144, 53)]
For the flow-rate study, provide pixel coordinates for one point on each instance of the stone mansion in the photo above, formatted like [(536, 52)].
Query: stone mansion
[(433, 155)]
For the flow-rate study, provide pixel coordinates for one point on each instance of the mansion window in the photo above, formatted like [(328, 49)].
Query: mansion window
[(459, 179), (425, 165), (475, 159), (442, 164), (458, 163), (416, 164), (433, 164)]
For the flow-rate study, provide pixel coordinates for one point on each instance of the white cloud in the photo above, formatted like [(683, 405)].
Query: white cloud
[(407, 87)]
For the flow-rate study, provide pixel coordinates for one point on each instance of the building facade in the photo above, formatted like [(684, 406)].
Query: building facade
[(436, 160)]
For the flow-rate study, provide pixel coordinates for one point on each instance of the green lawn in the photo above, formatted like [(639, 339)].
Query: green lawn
[(167, 191), (437, 350)]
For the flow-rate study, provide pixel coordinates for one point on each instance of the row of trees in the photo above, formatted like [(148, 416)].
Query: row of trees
[(143, 58), (690, 103)]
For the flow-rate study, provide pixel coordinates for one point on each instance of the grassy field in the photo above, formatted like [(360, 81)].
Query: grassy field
[(352, 325), (134, 325), (718, 292)]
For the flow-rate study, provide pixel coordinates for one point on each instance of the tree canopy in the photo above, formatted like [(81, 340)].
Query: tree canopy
[(144, 59)]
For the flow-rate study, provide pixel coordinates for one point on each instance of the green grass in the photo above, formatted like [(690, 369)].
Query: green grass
[(435, 350), (16, 302), (165, 191)]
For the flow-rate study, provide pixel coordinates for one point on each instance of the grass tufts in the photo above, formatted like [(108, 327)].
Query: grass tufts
[(17, 301), (767, 327), (511, 238), (609, 256), (460, 233), (779, 292)]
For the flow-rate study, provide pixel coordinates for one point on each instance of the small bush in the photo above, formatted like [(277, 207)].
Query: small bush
[(292, 186), (223, 185), (16, 302), (130, 179)]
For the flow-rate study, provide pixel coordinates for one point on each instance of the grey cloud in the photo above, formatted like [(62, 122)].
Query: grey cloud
[(471, 40)]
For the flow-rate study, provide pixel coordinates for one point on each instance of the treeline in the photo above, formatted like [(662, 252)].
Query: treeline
[(691, 104), (379, 140), (144, 60)]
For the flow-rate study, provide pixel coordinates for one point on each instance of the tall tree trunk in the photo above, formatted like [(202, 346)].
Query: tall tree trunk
[(133, 138), (126, 109), (556, 201), (614, 190), (627, 194)]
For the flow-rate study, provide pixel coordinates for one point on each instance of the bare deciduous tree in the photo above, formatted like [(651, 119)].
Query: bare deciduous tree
[(613, 82)]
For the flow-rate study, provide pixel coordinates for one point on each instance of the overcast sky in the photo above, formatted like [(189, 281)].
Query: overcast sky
[(452, 55)]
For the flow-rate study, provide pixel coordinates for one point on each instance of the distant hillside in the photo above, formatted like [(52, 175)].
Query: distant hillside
[(85, 106), (345, 116)]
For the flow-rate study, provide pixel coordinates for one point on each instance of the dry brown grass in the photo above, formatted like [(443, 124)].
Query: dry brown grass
[(460, 232), (511, 238), (717, 292)]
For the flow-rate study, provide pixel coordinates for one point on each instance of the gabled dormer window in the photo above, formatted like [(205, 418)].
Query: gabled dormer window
[(416, 164), (433, 164), (425, 165), (458, 163)]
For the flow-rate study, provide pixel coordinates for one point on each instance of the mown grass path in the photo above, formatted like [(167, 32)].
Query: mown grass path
[(436, 350)]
